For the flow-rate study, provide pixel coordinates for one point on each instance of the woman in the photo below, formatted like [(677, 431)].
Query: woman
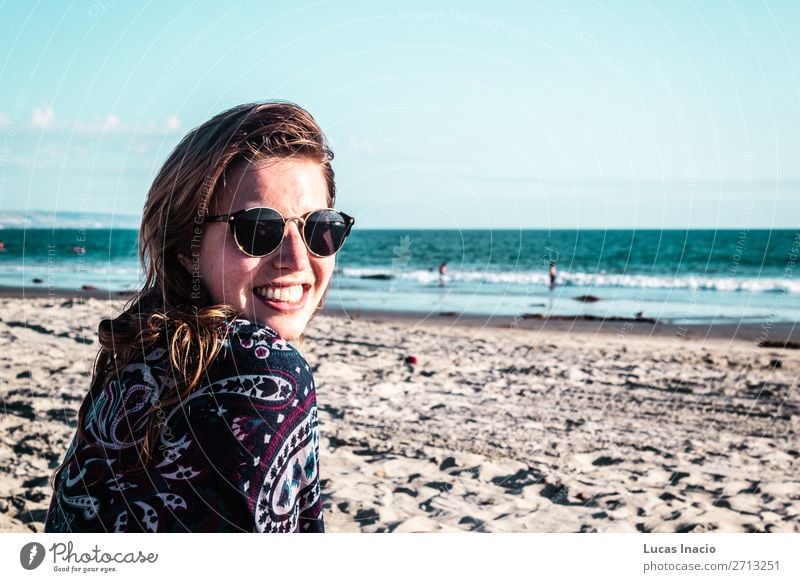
[(201, 416)]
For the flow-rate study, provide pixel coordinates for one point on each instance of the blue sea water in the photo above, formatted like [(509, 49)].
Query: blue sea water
[(675, 275)]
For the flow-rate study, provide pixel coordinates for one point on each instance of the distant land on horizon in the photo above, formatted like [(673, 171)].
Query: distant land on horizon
[(67, 220), (44, 219)]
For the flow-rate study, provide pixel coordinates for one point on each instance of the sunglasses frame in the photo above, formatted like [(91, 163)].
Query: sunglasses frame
[(301, 220)]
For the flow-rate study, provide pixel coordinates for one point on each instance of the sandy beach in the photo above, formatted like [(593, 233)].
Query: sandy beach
[(500, 426)]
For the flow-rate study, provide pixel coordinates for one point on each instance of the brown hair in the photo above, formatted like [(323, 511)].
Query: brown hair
[(172, 309)]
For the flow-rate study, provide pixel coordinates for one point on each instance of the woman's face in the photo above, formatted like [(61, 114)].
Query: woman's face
[(292, 187)]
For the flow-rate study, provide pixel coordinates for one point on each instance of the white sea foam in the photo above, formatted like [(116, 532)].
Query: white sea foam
[(577, 279)]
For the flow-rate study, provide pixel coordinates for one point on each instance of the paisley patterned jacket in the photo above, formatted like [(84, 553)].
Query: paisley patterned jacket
[(241, 453)]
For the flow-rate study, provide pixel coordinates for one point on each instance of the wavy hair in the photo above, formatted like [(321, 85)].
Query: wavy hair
[(172, 309)]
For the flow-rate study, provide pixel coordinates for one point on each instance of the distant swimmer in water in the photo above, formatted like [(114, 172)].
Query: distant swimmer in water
[(553, 274), (442, 272), (79, 250), (2, 247)]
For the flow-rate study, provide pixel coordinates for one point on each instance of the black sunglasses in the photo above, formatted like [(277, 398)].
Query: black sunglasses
[(259, 232)]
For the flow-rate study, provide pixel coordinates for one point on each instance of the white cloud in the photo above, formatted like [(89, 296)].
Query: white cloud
[(43, 116), (112, 123), (173, 123), (358, 146)]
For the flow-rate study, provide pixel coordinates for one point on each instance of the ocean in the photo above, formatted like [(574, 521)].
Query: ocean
[(680, 276)]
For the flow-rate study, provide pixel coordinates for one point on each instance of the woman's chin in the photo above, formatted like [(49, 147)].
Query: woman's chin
[(288, 327)]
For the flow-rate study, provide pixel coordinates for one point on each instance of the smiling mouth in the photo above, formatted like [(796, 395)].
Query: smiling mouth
[(283, 298)]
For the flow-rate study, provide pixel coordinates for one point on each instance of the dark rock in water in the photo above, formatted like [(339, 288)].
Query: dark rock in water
[(25, 374), (532, 316), (88, 288), (38, 280), (587, 298), (378, 277), (775, 363), (448, 314)]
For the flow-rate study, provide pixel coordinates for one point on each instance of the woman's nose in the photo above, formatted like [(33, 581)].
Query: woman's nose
[(292, 254)]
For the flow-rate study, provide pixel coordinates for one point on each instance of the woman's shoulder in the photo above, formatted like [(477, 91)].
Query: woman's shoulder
[(248, 346), (243, 335)]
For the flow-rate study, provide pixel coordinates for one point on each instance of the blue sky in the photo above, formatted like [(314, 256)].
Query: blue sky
[(441, 114)]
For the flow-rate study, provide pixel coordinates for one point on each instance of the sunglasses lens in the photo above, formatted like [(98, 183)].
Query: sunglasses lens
[(325, 232), (259, 231)]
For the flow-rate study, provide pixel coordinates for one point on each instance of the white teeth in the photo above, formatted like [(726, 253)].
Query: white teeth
[(284, 294)]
